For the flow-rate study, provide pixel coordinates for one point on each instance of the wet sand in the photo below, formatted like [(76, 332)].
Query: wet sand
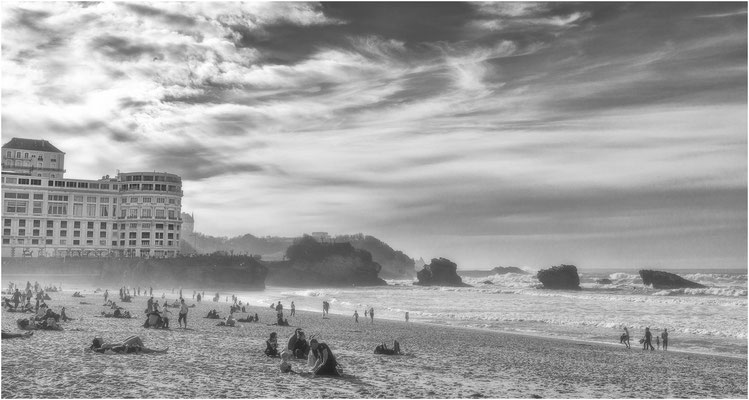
[(208, 361)]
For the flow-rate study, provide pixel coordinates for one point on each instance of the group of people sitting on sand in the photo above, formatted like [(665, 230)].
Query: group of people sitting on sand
[(319, 357), (229, 321), (78, 294), (249, 318)]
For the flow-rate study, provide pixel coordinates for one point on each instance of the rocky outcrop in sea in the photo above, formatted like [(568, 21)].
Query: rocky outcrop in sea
[(441, 272), (666, 280), (560, 277)]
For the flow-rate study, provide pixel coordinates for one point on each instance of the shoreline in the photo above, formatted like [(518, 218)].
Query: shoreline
[(441, 361)]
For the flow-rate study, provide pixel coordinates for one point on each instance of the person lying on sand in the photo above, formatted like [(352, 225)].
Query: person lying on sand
[(118, 313), (383, 349), (132, 344), (8, 335), (249, 318), (230, 321), (271, 345), (325, 361), (30, 325)]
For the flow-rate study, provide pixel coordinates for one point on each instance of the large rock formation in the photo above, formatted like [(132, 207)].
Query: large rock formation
[(395, 264), (311, 263), (441, 272), (560, 277), (666, 280)]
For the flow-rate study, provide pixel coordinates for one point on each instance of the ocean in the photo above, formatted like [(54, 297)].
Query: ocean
[(711, 320)]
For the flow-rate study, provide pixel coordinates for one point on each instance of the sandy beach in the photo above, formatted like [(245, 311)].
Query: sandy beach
[(208, 361)]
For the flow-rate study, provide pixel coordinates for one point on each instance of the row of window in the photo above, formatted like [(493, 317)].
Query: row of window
[(90, 199), (91, 210), (90, 242), (27, 164), (50, 224), (150, 178), (39, 157), (93, 185)]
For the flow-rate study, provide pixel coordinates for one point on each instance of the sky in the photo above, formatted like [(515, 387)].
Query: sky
[(604, 135)]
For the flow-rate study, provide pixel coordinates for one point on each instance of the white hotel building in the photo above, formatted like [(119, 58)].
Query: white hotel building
[(134, 214)]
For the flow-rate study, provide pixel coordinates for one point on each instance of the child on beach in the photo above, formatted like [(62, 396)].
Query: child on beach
[(285, 365), (271, 345), (657, 342)]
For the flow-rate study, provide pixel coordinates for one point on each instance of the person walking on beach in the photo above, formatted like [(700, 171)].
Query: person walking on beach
[(356, 316), (182, 313), (325, 308), (150, 291), (648, 339), (406, 316), (149, 305), (625, 338), (371, 315), (664, 336), (198, 298), (106, 295), (293, 310), (657, 342)]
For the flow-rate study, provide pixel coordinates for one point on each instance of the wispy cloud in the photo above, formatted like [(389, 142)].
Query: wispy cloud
[(521, 125)]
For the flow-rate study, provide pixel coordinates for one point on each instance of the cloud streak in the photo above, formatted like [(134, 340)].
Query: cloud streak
[(535, 124)]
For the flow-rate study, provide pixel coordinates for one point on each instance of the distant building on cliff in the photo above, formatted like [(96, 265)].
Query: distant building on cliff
[(134, 214), (320, 236)]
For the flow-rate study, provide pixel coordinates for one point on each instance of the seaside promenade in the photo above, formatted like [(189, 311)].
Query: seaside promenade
[(208, 361)]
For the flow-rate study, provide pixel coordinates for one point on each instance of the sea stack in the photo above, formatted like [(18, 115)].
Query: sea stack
[(441, 272), (666, 280), (560, 277)]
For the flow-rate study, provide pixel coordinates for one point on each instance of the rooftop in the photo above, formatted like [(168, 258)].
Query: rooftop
[(31, 144)]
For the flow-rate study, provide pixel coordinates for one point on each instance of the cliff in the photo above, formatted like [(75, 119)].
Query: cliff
[(311, 263), (216, 270), (666, 280), (560, 277), (395, 264), (441, 272)]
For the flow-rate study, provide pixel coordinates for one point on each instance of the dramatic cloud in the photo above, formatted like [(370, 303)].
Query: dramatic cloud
[(601, 134)]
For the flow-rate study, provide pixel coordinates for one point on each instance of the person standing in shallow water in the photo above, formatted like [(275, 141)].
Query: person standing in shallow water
[(293, 310), (371, 315), (664, 336), (406, 316)]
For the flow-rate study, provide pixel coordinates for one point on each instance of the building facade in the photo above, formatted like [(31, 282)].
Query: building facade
[(134, 214)]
